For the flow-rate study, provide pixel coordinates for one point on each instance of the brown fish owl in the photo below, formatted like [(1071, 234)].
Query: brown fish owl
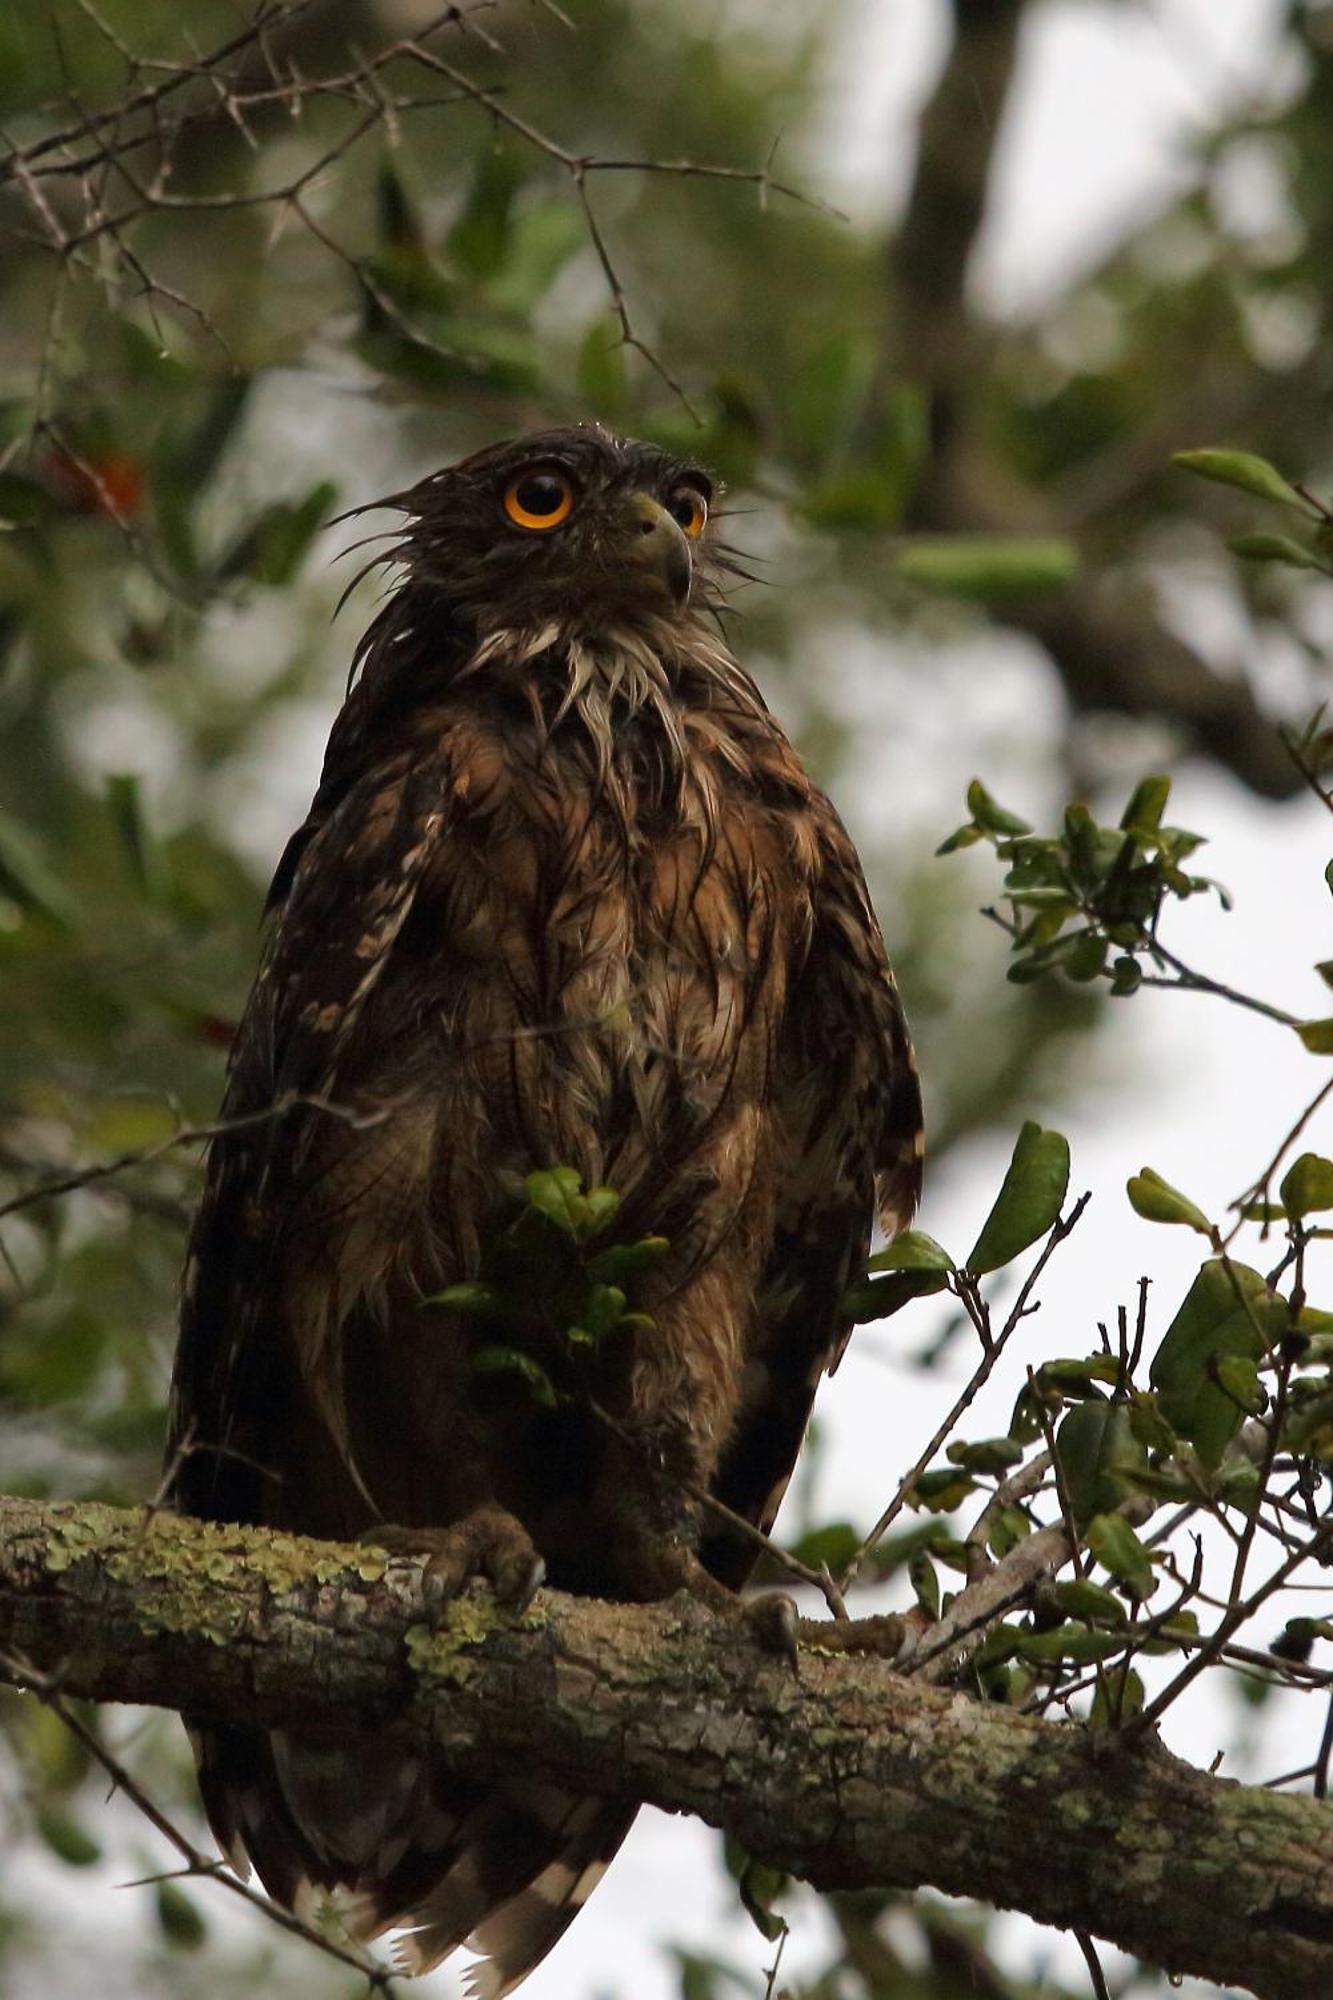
[(565, 896)]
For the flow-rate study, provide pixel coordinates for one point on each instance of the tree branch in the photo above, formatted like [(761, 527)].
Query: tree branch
[(845, 1774), (1109, 646)]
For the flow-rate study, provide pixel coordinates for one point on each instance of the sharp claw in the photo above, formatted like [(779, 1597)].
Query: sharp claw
[(777, 1626), (488, 1543), (788, 1627), (532, 1583)]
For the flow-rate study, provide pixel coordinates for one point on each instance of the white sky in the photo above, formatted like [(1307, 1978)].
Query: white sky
[(1108, 100)]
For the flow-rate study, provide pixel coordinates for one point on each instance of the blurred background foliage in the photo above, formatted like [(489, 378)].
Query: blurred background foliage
[(262, 265)]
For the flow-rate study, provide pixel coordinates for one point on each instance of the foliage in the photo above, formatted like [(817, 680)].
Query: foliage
[(546, 1301)]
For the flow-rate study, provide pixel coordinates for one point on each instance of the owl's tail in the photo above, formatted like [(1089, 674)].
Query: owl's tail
[(503, 1868)]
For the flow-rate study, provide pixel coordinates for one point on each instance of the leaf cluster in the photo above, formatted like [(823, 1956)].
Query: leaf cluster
[(1087, 900), (548, 1301)]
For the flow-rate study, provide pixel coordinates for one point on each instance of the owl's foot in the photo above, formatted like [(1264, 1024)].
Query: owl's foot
[(487, 1542)]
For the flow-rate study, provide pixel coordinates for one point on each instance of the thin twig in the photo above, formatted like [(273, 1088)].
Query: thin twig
[(47, 1689), (993, 1348), (190, 1135)]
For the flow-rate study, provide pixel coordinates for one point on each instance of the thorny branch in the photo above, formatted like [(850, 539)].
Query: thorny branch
[(189, 1135), (48, 1690), (94, 179), (992, 1348)]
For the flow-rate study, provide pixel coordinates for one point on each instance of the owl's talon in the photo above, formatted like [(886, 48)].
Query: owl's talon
[(775, 1625), (532, 1583), (489, 1542)]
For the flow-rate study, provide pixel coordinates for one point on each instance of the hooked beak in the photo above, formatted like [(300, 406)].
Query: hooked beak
[(655, 544)]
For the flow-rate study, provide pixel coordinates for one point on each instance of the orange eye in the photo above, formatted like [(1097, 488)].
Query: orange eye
[(539, 500), (688, 509)]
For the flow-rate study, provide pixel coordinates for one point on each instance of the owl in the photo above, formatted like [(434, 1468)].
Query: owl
[(564, 897)]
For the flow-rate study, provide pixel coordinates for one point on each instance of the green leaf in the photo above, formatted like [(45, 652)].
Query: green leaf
[(626, 1261), (181, 1924), (1098, 1453), (1273, 549), (940, 1491), (986, 1455), (862, 500), (989, 568), (1029, 1201), (1089, 1601), (989, 815), (24, 503), (925, 1583), (964, 836), (600, 1207), (912, 1251), (1008, 1527), (545, 237), (125, 805), (602, 1311), (27, 880), (999, 1644), (479, 239), (556, 1193), (1147, 803), (1148, 1424), (1076, 1377), (1307, 1186), (1074, 1641), (1085, 957), (835, 1544), (1243, 469), (67, 1839), (706, 1978), (473, 1299), (1119, 1695), (1168, 1636), (759, 1886), (1157, 1201), (1118, 1549), (271, 549), (601, 375), (1317, 1035), (190, 462), (880, 1298), (1238, 1377), (513, 1361), (1228, 1310)]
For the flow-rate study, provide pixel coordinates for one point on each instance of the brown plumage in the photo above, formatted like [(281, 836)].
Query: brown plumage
[(564, 897)]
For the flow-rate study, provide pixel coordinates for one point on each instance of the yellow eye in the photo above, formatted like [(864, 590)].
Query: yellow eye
[(539, 500), (688, 509)]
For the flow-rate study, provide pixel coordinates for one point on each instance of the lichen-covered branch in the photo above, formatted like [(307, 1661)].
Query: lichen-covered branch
[(842, 1773)]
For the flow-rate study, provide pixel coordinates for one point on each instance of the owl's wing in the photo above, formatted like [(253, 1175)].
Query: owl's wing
[(848, 1090), (291, 1076)]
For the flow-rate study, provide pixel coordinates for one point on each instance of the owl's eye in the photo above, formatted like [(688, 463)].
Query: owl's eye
[(688, 509), (539, 500)]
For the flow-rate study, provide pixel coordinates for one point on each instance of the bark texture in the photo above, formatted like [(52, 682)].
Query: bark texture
[(844, 1773)]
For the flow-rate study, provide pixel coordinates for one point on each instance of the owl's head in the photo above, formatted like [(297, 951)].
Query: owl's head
[(575, 525)]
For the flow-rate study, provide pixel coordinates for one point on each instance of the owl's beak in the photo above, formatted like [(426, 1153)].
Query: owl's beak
[(656, 545)]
